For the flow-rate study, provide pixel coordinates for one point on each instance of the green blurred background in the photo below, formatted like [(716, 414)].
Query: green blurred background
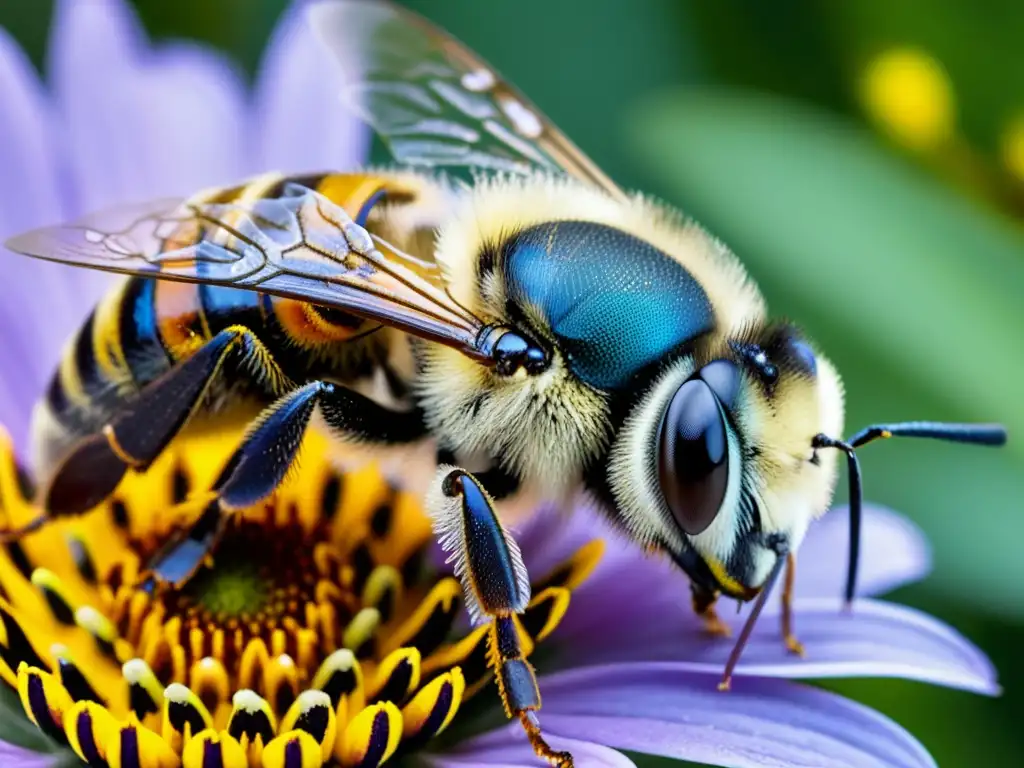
[(866, 160)]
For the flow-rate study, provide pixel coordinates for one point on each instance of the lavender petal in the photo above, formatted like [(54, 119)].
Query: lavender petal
[(141, 122), (28, 185), (134, 123), (29, 197), (661, 709), (893, 549), (303, 125), (508, 748), (641, 586), (12, 756), (877, 639)]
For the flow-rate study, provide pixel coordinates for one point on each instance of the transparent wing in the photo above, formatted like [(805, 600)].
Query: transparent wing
[(436, 103), (300, 245)]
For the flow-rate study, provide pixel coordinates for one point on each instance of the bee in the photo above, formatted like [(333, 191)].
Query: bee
[(542, 328)]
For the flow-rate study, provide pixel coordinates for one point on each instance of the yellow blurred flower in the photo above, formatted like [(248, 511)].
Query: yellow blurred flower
[(908, 93), (1012, 146)]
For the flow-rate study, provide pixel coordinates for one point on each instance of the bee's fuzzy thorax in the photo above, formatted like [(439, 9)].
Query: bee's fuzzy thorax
[(543, 428)]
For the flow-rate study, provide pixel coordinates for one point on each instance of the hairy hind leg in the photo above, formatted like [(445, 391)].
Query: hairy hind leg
[(496, 587)]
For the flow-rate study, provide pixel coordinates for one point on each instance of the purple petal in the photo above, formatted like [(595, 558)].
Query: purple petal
[(133, 124), (877, 640), (141, 123), (640, 586), (658, 708), (894, 552), (508, 748), (303, 124), (28, 184), (13, 756), (29, 197)]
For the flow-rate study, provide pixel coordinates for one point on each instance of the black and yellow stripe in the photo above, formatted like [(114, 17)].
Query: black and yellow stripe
[(143, 327)]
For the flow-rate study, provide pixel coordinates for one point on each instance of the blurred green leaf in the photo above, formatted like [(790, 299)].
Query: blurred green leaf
[(915, 294)]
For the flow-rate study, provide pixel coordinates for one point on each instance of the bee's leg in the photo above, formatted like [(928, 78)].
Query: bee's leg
[(704, 606), (792, 644), (265, 455), (499, 482), (140, 432), (496, 588)]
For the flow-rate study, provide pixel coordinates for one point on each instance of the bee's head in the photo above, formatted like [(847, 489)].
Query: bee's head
[(724, 473)]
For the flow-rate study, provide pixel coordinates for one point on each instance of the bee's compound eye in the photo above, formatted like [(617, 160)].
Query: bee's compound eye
[(693, 456), (513, 351)]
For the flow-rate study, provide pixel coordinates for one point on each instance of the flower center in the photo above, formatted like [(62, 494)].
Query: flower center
[(257, 578), (317, 624)]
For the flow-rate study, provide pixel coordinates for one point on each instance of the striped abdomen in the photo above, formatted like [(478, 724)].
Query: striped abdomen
[(144, 327)]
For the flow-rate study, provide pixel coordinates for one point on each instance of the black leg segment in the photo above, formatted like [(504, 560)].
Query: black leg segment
[(140, 433), (266, 454), (355, 417)]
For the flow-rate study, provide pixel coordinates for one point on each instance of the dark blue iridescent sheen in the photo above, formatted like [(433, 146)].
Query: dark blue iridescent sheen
[(614, 302), (487, 552)]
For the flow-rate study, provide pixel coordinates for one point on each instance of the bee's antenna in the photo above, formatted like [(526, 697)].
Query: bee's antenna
[(856, 502), (972, 434)]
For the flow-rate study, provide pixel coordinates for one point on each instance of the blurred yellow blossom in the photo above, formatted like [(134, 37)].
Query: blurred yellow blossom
[(908, 93), (1012, 146)]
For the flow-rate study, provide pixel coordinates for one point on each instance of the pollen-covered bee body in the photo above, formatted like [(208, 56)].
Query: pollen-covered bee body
[(144, 327)]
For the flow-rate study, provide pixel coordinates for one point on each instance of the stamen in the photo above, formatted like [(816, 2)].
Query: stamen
[(295, 749), (431, 710), (72, 679), (545, 612), (44, 700), (358, 635), (430, 623), (383, 591), (251, 721), (184, 716), (397, 676), (371, 737), (17, 650), (145, 694), (82, 558), (340, 676), (139, 746), (53, 591), (281, 683), (213, 748), (89, 728), (313, 713), (100, 627)]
